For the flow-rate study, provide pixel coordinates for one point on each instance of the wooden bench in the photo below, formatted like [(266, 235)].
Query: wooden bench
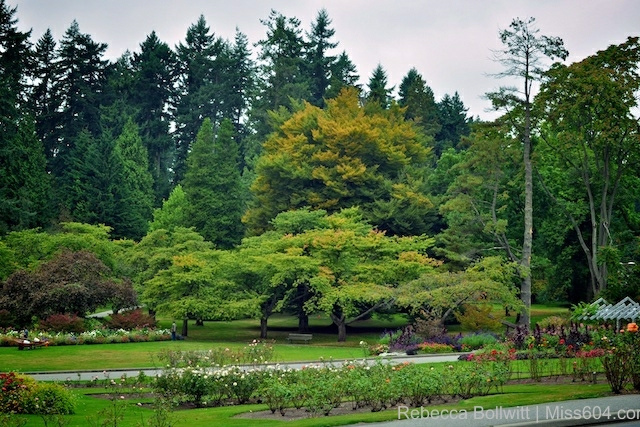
[(300, 337), (30, 344)]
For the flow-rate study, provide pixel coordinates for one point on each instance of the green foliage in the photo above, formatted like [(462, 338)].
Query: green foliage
[(212, 186), (340, 157), (476, 341), (173, 212), (477, 317), (49, 399)]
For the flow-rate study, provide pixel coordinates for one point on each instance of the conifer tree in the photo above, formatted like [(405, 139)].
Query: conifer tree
[(135, 198), (212, 186), (378, 93)]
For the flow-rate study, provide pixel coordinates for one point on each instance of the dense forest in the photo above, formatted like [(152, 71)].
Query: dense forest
[(222, 178)]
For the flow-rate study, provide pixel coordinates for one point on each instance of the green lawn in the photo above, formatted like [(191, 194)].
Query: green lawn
[(219, 334), (213, 334)]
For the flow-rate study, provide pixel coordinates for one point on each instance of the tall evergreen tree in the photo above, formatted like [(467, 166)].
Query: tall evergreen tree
[(454, 122), (135, 198), (212, 186), (421, 107), (282, 70), (24, 182), (242, 75), (154, 79), (319, 63), (44, 103), (343, 74), (15, 59), (377, 91), (79, 86), (522, 58), (203, 84)]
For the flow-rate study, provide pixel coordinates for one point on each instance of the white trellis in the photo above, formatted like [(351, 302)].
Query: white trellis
[(626, 309)]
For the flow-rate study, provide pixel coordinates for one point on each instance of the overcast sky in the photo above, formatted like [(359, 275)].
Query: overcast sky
[(448, 42)]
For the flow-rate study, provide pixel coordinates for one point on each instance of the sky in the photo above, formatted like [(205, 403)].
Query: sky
[(450, 43)]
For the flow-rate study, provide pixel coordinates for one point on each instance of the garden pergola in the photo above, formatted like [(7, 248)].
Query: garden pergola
[(625, 309)]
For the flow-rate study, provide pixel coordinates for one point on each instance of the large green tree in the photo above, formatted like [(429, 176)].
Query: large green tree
[(212, 186), (420, 104), (135, 195), (591, 135), (24, 182), (319, 61), (342, 156), (81, 75), (152, 90)]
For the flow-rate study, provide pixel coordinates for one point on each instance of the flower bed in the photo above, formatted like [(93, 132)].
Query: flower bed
[(96, 336)]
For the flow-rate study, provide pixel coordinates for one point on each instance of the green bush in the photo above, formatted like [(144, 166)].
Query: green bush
[(49, 399), (476, 341)]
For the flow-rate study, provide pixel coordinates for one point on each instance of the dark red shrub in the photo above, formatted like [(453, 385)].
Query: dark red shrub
[(132, 319), (63, 323)]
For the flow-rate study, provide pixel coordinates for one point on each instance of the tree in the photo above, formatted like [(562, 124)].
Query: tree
[(339, 157), (282, 77), (378, 93), (173, 213), (153, 88), (79, 85), (436, 296), (359, 268), (521, 57), (15, 60), (44, 102), (24, 182), (71, 282), (319, 63), (135, 198), (592, 137), (337, 264), (454, 123), (343, 75), (482, 197), (420, 104), (203, 84)]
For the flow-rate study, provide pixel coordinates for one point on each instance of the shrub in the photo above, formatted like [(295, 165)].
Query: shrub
[(433, 347), (49, 399), (133, 319), (476, 341), (553, 323), (69, 323), (14, 389), (476, 317)]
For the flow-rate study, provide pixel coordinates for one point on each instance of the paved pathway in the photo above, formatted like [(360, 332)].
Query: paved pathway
[(599, 411), (132, 372)]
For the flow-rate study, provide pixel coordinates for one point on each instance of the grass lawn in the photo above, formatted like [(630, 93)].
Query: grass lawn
[(221, 334), (213, 334)]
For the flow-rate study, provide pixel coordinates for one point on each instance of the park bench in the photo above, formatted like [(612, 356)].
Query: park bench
[(30, 344), (300, 337)]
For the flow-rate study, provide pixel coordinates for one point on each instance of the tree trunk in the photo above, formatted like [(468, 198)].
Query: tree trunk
[(303, 318), (185, 327), (303, 323), (527, 240), (199, 322), (342, 331), (341, 322), (263, 327)]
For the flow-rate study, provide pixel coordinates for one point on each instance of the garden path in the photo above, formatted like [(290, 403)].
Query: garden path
[(117, 373)]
